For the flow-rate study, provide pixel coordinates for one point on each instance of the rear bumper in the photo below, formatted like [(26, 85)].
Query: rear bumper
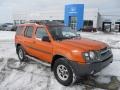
[(88, 69)]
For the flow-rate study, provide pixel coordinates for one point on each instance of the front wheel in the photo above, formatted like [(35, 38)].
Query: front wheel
[(63, 72)]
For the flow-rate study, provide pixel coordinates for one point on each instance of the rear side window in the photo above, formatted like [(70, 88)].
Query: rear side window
[(19, 30), (28, 32)]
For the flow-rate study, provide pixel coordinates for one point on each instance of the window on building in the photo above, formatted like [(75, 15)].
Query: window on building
[(73, 22), (88, 23), (16, 22), (22, 21)]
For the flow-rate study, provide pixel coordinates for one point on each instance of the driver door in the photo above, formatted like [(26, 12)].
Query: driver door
[(43, 49)]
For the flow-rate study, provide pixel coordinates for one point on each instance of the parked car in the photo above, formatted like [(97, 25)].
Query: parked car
[(7, 26), (14, 28), (0, 27), (69, 55)]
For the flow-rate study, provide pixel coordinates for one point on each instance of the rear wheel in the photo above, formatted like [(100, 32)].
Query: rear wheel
[(21, 53), (63, 72)]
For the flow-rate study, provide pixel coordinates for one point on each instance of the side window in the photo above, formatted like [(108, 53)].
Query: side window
[(28, 32), (40, 33), (19, 30)]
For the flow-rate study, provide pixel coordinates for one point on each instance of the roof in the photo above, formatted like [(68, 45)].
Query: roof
[(46, 23)]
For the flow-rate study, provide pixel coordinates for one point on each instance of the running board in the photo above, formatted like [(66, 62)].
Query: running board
[(37, 60)]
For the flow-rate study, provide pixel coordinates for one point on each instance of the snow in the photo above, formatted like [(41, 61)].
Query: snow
[(7, 36), (34, 76), (103, 79), (7, 49), (112, 70), (111, 39)]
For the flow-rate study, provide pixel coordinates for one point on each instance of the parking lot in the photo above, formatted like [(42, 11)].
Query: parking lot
[(35, 76)]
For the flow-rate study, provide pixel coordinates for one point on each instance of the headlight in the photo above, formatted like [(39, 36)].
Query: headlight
[(90, 56)]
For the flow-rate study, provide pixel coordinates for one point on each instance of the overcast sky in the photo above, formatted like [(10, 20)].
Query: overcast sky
[(8, 7)]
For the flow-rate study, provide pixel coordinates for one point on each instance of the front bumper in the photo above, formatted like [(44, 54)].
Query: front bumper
[(92, 68)]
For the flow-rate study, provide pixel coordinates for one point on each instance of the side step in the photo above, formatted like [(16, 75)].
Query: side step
[(37, 60)]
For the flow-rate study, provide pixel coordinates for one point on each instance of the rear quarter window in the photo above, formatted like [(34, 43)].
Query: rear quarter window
[(19, 30)]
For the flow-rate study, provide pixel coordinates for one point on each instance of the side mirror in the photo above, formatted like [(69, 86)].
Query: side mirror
[(46, 38)]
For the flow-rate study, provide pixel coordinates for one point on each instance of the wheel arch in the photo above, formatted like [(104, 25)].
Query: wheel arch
[(55, 57), (17, 45)]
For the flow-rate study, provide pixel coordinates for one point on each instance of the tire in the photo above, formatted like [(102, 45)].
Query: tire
[(63, 72), (21, 53)]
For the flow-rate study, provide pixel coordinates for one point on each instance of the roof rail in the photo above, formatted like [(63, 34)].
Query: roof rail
[(50, 23)]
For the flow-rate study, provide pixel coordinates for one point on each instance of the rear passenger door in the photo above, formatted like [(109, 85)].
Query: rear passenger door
[(28, 39), (43, 48)]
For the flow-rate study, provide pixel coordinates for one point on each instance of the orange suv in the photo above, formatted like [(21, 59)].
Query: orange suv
[(69, 55)]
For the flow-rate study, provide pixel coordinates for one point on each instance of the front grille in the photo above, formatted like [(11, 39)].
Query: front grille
[(105, 53)]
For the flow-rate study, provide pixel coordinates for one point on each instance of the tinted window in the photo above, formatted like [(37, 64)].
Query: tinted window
[(28, 32), (19, 30), (40, 33)]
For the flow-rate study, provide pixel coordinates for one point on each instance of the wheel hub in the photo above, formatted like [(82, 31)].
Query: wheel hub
[(21, 54), (62, 72)]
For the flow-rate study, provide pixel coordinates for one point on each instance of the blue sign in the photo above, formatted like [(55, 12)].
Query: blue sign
[(74, 10)]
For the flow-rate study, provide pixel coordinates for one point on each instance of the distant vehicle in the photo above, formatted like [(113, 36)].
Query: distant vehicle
[(8, 27), (0, 27), (14, 28)]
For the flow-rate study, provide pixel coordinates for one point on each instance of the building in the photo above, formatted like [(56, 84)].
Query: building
[(109, 22), (74, 15)]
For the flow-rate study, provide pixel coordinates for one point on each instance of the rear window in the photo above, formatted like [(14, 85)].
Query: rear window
[(19, 30)]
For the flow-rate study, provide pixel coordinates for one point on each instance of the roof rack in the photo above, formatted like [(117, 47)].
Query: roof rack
[(48, 23)]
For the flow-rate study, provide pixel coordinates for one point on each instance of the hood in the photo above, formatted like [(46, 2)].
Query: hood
[(83, 44)]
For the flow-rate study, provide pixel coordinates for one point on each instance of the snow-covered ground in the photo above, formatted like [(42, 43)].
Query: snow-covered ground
[(34, 76)]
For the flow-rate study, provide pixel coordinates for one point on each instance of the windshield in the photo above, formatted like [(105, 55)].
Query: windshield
[(61, 33)]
